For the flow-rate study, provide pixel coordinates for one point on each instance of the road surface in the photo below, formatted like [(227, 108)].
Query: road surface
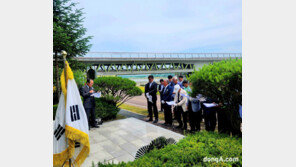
[(141, 101)]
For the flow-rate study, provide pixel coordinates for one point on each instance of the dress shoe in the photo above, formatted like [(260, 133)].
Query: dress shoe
[(149, 120), (96, 126), (155, 121)]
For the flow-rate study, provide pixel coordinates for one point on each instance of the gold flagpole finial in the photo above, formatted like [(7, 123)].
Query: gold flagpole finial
[(64, 53)]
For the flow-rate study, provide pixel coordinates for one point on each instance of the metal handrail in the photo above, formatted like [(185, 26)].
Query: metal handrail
[(146, 55)]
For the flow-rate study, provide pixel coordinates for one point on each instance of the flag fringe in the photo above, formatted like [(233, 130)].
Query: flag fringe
[(70, 75), (60, 158), (81, 137)]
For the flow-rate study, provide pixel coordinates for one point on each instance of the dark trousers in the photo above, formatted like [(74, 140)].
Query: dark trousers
[(179, 115), (223, 122), (152, 106), (174, 110), (167, 114), (194, 118), (90, 112), (161, 107), (210, 120)]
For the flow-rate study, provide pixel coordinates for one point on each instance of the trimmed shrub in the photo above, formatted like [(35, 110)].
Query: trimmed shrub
[(117, 89), (106, 109), (192, 151), (222, 81), (80, 78)]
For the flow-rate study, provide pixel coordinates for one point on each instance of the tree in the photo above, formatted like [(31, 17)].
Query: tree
[(68, 35), (116, 89), (221, 81)]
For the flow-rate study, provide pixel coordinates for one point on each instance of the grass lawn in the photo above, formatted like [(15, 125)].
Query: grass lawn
[(143, 89), (139, 110), (118, 117)]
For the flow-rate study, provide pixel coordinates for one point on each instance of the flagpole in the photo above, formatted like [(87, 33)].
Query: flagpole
[(64, 54)]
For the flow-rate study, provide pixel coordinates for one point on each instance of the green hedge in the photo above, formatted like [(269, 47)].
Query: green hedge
[(117, 89), (106, 109), (191, 151), (222, 81)]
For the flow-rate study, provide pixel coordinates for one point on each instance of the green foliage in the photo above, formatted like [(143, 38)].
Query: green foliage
[(117, 89), (55, 107), (68, 35), (221, 81), (68, 30), (191, 151), (106, 109), (80, 78)]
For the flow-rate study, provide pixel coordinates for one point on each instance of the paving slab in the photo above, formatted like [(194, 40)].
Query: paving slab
[(119, 140)]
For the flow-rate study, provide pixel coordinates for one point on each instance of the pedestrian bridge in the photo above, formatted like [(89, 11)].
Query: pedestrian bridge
[(130, 63)]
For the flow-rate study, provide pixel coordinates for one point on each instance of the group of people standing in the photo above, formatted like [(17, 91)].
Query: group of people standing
[(177, 104)]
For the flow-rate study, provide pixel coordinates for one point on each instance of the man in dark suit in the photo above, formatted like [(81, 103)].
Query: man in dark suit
[(180, 83), (89, 102), (170, 82), (160, 90), (166, 97), (150, 93)]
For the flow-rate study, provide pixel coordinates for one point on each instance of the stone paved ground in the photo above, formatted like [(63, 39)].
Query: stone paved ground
[(160, 122), (119, 140)]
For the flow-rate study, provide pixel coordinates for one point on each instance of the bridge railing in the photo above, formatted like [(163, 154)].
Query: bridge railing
[(140, 55)]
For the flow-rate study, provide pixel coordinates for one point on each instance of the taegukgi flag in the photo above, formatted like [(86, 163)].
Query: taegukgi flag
[(70, 125)]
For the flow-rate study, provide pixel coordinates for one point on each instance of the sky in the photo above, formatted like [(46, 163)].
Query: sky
[(174, 26)]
